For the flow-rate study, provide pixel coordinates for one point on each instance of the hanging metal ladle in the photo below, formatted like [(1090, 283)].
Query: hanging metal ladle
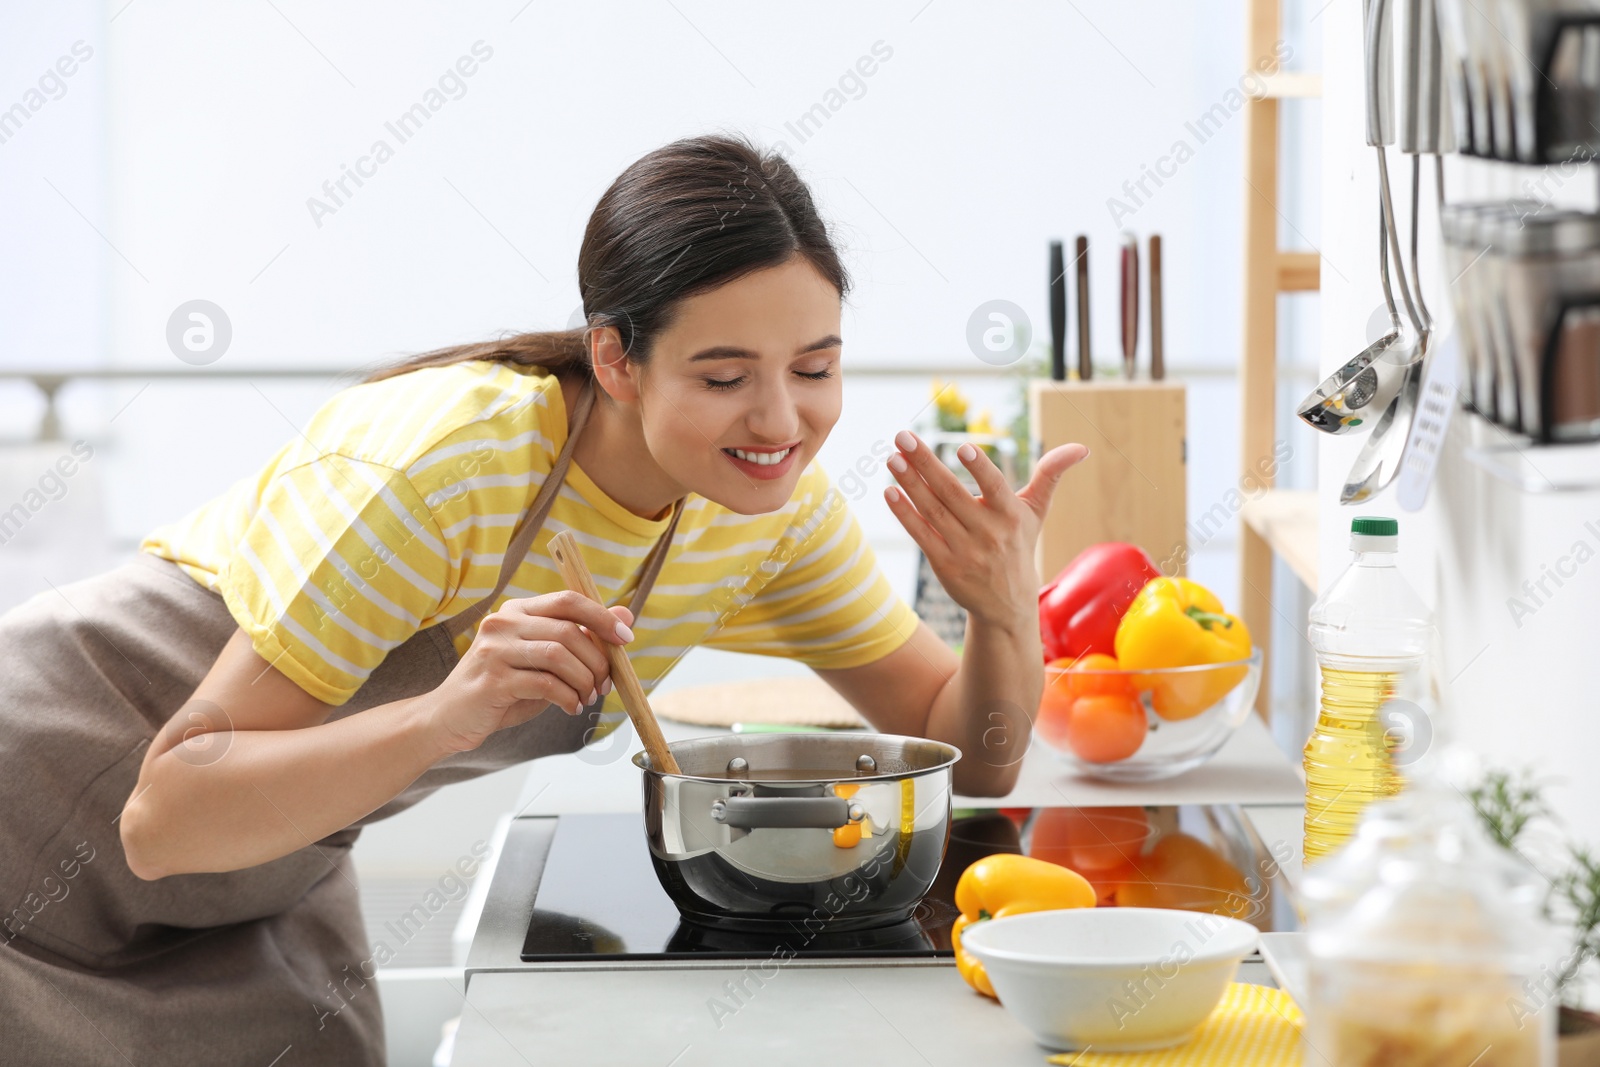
[(1381, 454), (1350, 399)]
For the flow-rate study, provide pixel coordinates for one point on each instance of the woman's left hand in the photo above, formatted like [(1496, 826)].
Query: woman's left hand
[(981, 547)]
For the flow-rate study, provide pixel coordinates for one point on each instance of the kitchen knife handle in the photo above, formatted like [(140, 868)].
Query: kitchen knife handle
[(1130, 304), (1058, 313), (1158, 362), (1085, 358)]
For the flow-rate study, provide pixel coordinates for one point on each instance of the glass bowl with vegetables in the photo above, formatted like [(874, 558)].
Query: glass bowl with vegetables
[(1181, 675)]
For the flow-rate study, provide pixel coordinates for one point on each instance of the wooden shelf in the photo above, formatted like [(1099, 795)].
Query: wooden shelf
[(1277, 523), (1292, 85), (1286, 519), (1299, 272)]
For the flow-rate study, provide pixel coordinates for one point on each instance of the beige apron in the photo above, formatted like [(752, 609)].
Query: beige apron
[(100, 967)]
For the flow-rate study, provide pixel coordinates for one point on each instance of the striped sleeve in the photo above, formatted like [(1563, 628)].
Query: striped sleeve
[(830, 606), (340, 562)]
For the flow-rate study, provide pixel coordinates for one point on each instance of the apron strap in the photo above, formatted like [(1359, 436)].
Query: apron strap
[(543, 501), (653, 562)]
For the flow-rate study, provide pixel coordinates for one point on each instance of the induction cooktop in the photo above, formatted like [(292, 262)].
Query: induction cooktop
[(598, 897)]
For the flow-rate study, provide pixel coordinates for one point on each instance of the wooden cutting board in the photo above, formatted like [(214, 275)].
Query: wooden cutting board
[(799, 701)]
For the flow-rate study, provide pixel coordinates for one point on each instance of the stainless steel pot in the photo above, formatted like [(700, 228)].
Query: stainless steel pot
[(744, 838)]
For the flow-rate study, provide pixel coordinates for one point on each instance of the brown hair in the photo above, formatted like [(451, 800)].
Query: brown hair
[(688, 217)]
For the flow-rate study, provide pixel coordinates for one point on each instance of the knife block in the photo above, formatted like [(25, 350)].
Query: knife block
[(1133, 486)]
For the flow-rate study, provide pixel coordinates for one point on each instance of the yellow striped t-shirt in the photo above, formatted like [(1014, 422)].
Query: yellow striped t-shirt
[(393, 510)]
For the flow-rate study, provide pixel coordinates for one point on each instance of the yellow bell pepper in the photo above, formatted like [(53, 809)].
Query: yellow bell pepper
[(1174, 622), (1010, 884)]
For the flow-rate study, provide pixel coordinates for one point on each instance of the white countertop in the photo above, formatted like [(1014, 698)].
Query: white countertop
[(1250, 769), (803, 1012), (883, 1016)]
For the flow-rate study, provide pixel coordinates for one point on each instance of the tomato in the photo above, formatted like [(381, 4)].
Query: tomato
[(1080, 684), (1055, 710), (1106, 728)]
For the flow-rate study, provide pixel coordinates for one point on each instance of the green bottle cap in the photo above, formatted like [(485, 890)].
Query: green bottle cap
[(1373, 526)]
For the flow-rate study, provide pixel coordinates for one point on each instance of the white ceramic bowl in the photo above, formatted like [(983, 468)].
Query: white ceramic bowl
[(1119, 979)]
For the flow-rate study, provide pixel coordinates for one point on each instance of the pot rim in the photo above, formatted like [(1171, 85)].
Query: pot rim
[(761, 740)]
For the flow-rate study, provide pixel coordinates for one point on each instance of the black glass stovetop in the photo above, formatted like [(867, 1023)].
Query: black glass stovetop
[(598, 897)]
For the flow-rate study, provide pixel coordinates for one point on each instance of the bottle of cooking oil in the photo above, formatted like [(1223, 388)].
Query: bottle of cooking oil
[(1371, 635)]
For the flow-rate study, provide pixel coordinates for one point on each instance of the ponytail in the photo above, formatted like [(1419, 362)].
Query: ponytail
[(561, 352)]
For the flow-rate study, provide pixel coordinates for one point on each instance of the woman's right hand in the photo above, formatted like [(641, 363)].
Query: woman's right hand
[(530, 652)]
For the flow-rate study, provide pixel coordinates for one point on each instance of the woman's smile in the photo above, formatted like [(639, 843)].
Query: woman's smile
[(765, 462)]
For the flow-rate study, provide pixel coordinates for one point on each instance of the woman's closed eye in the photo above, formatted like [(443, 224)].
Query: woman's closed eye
[(730, 383)]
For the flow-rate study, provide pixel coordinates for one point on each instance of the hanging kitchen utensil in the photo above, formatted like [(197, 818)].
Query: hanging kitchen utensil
[(1419, 115), (1376, 464), (1058, 313), (1349, 398), (1085, 359), (1416, 274), (1412, 89), (564, 550), (1158, 361), (1419, 460), (1129, 305), (1379, 458)]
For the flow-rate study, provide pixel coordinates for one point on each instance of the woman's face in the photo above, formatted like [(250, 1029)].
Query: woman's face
[(742, 389)]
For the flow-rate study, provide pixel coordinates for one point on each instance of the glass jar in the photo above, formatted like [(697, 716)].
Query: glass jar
[(1425, 945), (1550, 258)]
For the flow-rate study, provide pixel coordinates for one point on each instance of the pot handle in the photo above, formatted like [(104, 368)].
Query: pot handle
[(749, 813)]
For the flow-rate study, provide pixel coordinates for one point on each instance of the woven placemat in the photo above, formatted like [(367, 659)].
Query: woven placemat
[(1253, 1026), (799, 701)]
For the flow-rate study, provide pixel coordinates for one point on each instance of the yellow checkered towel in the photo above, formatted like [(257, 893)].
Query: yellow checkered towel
[(1252, 1026)]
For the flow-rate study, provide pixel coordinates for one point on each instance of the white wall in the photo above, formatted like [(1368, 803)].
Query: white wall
[(985, 133), (1519, 689)]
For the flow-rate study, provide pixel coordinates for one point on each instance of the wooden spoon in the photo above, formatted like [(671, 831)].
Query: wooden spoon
[(564, 550)]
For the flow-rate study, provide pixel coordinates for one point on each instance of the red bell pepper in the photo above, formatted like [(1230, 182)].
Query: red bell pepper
[(1079, 609)]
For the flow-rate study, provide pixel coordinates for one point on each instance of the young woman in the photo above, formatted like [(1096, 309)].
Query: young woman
[(192, 741)]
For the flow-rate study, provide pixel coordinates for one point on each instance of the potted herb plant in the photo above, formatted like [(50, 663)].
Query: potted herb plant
[(1507, 804)]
